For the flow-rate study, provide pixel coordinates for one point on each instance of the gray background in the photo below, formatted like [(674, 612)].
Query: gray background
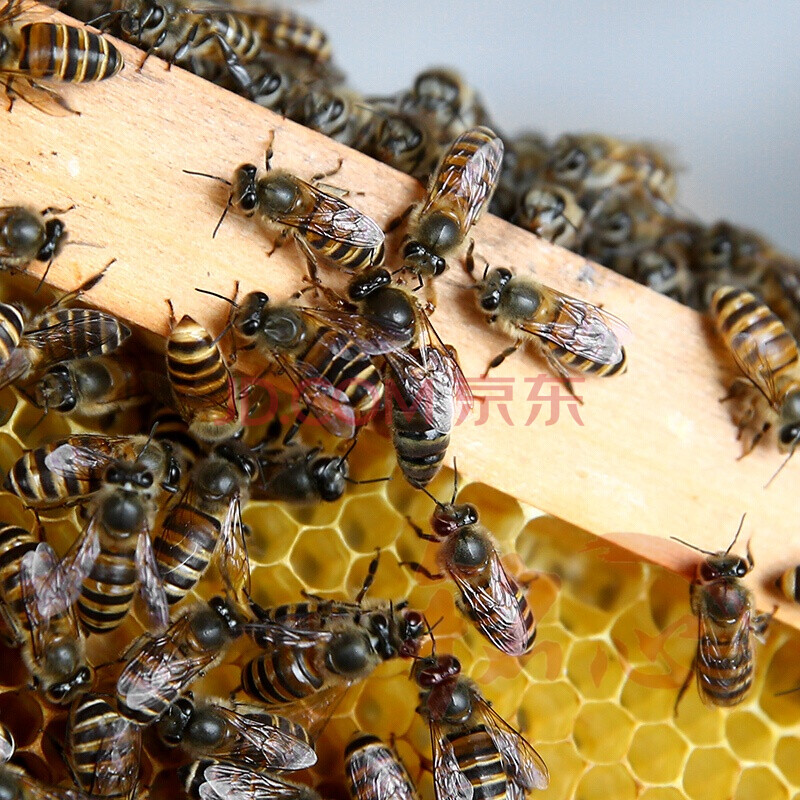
[(717, 83)]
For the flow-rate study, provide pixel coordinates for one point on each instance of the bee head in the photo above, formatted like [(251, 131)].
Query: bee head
[(450, 518), (434, 670), (65, 691), (238, 454), (250, 316), (244, 192), (227, 615), (571, 165), (56, 390), (722, 565), (436, 233), (368, 283), (490, 289), (172, 726), (330, 476), (55, 233), (412, 627), (789, 426)]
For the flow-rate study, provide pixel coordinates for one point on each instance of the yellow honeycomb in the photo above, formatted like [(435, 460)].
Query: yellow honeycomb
[(595, 697)]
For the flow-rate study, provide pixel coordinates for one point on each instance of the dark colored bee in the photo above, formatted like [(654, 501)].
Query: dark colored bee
[(102, 749), (236, 733), (161, 668), (727, 620), (285, 32), (551, 212), (27, 235), (36, 52), (211, 780), (40, 618), (207, 522), (70, 470), (16, 784), (789, 584), (404, 142), (325, 228), (375, 772), (476, 753), (570, 334), (201, 383), (490, 597), (30, 345), (458, 193)]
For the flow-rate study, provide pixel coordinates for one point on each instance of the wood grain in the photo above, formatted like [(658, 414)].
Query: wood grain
[(654, 453)]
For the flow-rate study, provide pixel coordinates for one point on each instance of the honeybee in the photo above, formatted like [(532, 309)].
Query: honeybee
[(476, 753), (551, 212), (7, 744), (201, 383), (335, 379), (404, 142), (102, 749), (211, 780), (324, 227), (206, 522), (375, 772), (51, 52), (458, 192), (490, 597), (92, 387), (53, 646), (592, 162), (766, 353), (236, 733), (789, 584), (70, 470), (17, 784), (161, 668), (726, 616), (32, 344), (568, 333), (170, 429), (113, 554), (27, 235), (423, 373)]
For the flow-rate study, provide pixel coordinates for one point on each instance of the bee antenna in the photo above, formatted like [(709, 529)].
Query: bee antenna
[(222, 217), (439, 503), (106, 16), (738, 531), (44, 277), (455, 482), (206, 175), (149, 439), (485, 271), (218, 296), (786, 691), (693, 546), (785, 461)]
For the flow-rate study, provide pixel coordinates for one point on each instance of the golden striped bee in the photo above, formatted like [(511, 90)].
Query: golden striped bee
[(207, 779), (206, 523), (40, 618), (375, 772), (459, 190), (102, 749), (70, 470), (551, 212), (113, 555), (569, 334), (161, 668), (404, 142), (768, 391), (287, 33), (92, 387), (237, 733), (476, 753), (7, 744), (324, 227), (27, 235), (490, 597), (789, 584), (31, 344), (592, 162), (727, 620), (201, 384), (17, 784), (35, 52)]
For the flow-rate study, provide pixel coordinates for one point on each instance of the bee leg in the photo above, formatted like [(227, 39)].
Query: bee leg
[(760, 623), (278, 242), (395, 223), (499, 359), (322, 175), (560, 372), (369, 577), (685, 686), (469, 259), (415, 566), (422, 535), (298, 421)]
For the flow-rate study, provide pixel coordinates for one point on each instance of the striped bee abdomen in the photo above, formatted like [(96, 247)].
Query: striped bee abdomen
[(479, 762), (284, 30), (344, 255), (107, 594), (52, 50), (580, 363), (725, 666), (15, 542), (86, 333), (12, 324), (283, 675), (235, 30)]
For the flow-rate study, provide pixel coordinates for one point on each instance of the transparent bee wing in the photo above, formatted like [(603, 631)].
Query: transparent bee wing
[(151, 586), (117, 759), (234, 782), (449, 783), (234, 564)]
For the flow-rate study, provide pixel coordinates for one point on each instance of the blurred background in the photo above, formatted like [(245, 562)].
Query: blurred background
[(715, 83)]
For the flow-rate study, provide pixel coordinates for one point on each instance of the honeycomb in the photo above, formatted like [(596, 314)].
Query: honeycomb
[(595, 696)]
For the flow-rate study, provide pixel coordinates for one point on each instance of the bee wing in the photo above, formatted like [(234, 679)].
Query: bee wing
[(495, 608), (333, 219), (14, 367), (449, 783), (266, 633), (57, 584), (470, 184), (32, 789), (327, 403), (523, 765), (262, 745), (81, 461), (371, 339), (234, 564), (755, 365), (430, 339), (236, 782), (115, 770), (590, 331), (151, 586), (85, 333), (382, 782)]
